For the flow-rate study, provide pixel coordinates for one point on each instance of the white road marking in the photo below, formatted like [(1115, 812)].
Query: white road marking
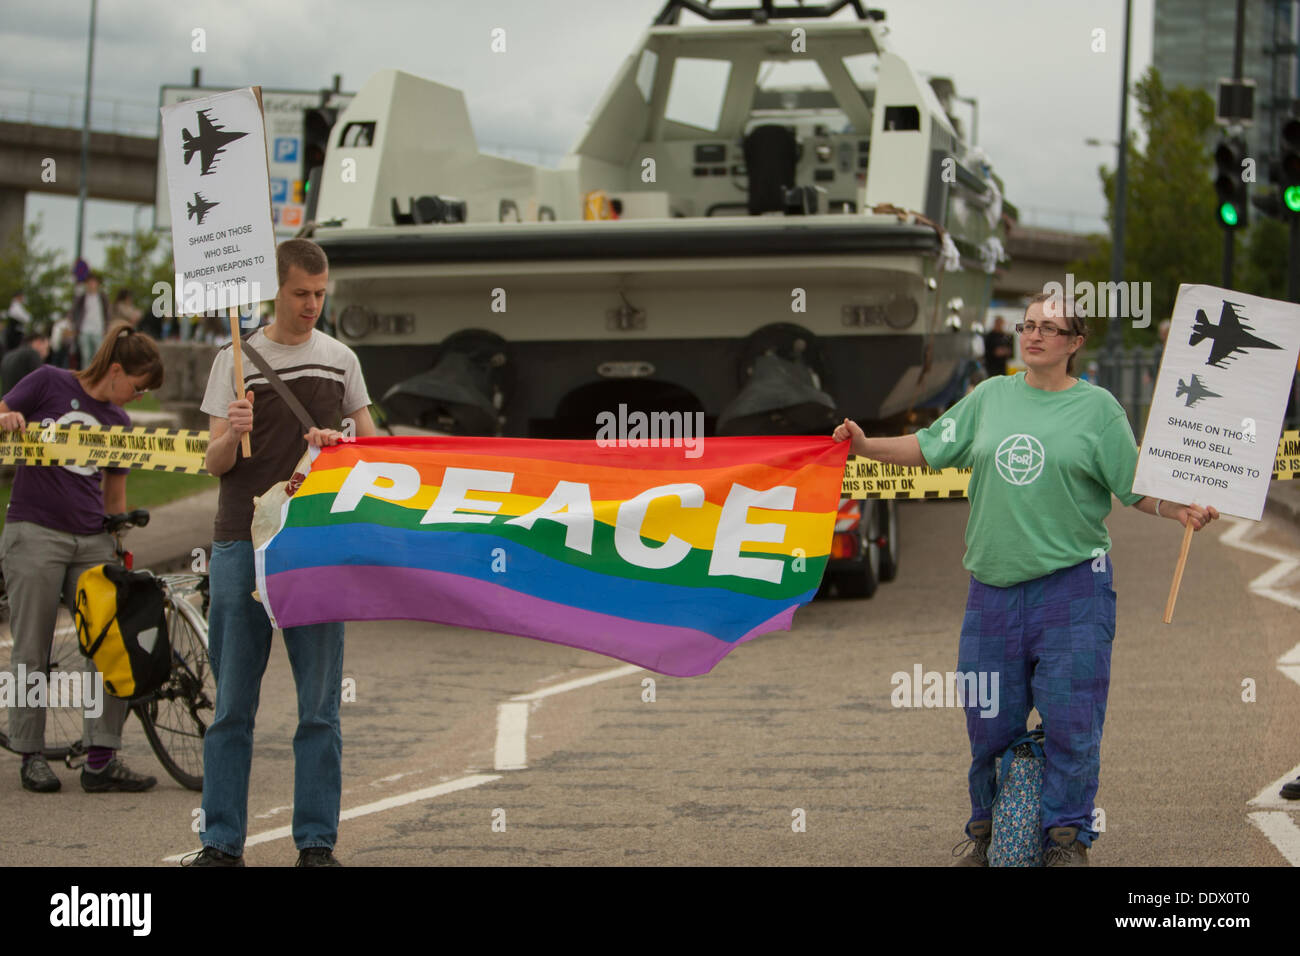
[(1269, 796), (512, 716), (1286, 562), (1282, 831), (512, 736), (1277, 826), (388, 803), (511, 754), (579, 682)]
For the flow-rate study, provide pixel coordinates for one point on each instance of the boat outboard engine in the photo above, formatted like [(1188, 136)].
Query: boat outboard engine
[(782, 372), (464, 391)]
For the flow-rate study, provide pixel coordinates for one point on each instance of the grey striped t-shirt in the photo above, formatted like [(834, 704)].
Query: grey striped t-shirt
[(322, 373)]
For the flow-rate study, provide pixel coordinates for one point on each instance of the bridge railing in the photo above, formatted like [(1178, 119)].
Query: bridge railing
[(61, 108)]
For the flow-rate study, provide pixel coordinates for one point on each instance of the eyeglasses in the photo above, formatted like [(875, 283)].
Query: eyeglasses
[(1048, 330)]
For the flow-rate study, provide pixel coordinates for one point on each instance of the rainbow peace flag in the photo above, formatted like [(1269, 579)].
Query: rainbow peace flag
[(642, 554)]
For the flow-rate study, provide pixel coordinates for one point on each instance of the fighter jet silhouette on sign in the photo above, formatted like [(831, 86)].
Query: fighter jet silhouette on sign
[(200, 208), (1230, 335), (1194, 392), (209, 143)]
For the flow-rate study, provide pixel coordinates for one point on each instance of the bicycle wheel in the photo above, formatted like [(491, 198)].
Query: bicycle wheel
[(63, 724), (177, 715)]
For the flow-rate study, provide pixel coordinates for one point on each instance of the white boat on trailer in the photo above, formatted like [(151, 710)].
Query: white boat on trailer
[(775, 256)]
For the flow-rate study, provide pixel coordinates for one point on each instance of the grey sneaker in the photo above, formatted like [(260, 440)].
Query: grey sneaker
[(1063, 849), (115, 776), (978, 844), (37, 776)]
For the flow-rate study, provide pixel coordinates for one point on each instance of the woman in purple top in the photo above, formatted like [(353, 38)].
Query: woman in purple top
[(54, 530)]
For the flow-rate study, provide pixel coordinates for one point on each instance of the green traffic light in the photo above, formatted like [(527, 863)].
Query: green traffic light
[(1291, 197), (1228, 213)]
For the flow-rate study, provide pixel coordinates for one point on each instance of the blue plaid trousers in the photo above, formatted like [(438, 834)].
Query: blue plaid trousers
[(1049, 641)]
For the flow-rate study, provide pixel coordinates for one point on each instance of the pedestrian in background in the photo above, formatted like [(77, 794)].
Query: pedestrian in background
[(1047, 452), (89, 316), (22, 361), (998, 347), (63, 344), (17, 322), (124, 309)]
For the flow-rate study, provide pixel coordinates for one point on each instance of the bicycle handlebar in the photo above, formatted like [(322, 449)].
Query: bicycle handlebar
[(121, 522)]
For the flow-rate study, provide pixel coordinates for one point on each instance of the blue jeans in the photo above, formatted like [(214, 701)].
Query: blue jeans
[(239, 644), (1049, 640)]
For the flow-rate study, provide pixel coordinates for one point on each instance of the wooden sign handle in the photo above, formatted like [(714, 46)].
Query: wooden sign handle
[(239, 370), (1178, 573)]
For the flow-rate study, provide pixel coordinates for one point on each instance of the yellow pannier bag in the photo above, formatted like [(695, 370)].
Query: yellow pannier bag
[(122, 626)]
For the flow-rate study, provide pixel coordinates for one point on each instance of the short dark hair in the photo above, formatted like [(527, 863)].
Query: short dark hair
[(304, 254), (36, 336), (1077, 325)]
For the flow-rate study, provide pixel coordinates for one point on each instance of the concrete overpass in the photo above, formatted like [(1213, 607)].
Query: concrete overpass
[(120, 167), (1039, 256)]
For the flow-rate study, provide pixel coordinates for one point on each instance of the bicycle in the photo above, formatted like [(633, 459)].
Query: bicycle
[(175, 717)]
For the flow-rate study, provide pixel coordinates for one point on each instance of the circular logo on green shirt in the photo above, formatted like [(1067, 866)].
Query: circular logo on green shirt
[(1020, 459)]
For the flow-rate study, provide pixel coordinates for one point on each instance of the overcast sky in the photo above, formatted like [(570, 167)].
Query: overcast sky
[(1041, 88)]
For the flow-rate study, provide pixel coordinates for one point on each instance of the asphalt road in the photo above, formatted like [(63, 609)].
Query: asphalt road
[(715, 768)]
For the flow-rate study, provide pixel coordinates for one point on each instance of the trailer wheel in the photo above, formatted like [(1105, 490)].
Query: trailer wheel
[(861, 582), (888, 520)]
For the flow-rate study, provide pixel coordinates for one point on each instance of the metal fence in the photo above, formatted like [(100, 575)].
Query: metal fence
[(1130, 375)]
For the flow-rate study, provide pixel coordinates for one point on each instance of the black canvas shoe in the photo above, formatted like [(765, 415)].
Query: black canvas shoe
[(1291, 791), (37, 776), (115, 776), (211, 856), (317, 856)]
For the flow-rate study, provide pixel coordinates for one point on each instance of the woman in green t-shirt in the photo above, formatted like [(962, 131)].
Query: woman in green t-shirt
[(1047, 451)]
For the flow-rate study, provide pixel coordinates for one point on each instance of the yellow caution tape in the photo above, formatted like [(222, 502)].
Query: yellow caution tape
[(864, 478), (163, 449), (106, 446), (1288, 457)]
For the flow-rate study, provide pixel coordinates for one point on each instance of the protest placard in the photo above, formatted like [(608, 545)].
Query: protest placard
[(219, 192), (1220, 398)]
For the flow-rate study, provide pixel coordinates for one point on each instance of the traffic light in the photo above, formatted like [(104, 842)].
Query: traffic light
[(1231, 189), (316, 127), (1289, 166)]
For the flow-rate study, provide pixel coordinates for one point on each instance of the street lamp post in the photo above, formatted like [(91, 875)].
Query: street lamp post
[(85, 133), (1114, 337)]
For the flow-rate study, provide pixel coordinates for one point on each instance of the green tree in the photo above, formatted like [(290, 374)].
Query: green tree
[(43, 275), (1264, 270), (1170, 235), (136, 261)]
